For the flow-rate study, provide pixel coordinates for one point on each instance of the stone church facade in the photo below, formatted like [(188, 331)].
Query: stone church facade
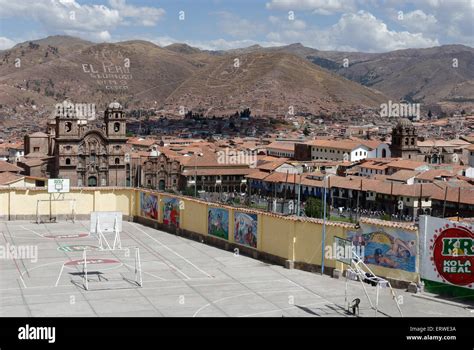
[(87, 154)]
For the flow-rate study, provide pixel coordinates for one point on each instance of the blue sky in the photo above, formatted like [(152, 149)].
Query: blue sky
[(348, 25)]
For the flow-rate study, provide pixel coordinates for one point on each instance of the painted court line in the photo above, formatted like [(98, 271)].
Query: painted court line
[(283, 309), (36, 233), (171, 250), (241, 295)]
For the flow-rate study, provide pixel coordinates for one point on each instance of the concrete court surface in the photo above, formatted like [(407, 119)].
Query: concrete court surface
[(181, 277)]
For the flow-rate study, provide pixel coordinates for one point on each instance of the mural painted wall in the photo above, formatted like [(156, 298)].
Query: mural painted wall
[(170, 208), (447, 251), (245, 229), (148, 205), (388, 247), (218, 223)]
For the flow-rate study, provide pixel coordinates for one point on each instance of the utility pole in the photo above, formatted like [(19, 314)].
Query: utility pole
[(445, 198), (459, 202), (358, 193), (323, 243), (298, 207)]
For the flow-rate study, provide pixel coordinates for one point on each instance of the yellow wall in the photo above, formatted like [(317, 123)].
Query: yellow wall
[(194, 216), (285, 237)]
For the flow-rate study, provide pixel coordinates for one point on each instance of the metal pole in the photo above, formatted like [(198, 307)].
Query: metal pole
[(377, 299), (299, 198), (195, 175), (324, 228), (444, 203)]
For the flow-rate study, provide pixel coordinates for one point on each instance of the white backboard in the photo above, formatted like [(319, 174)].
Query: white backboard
[(108, 221), (58, 185)]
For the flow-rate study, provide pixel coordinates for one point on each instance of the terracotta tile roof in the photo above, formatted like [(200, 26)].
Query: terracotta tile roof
[(442, 143), (369, 143), (218, 171), (7, 178), (8, 167), (346, 144), (138, 141), (284, 146), (403, 175), (406, 164), (258, 175), (431, 174), (271, 165), (394, 224)]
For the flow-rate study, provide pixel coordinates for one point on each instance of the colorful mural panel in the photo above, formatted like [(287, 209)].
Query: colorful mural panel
[(171, 211), (218, 222), (245, 229), (149, 205), (389, 247)]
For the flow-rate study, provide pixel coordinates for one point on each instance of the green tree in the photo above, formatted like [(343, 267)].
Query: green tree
[(314, 208), (189, 191)]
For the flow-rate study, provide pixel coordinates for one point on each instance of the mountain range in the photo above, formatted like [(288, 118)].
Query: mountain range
[(268, 80)]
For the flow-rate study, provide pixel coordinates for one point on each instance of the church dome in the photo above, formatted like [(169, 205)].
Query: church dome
[(115, 105), (404, 122)]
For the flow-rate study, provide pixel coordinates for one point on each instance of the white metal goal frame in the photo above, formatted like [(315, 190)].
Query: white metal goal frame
[(357, 270), (138, 279), (53, 217), (95, 259)]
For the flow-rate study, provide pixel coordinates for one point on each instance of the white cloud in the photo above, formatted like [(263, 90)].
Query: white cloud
[(454, 19), (363, 31), (87, 21), (419, 22), (238, 27), (359, 31), (6, 43), (146, 16), (323, 7)]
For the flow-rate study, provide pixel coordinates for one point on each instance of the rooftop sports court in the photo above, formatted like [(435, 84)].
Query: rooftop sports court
[(180, 277)]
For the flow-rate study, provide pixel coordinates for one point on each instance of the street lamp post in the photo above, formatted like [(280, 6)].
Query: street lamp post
[(324, 226), (195, 172)]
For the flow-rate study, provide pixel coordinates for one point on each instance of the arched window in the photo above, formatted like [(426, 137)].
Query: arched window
[(117, 161), (116, 127), (68, 126), (384, 153), (68, 161)]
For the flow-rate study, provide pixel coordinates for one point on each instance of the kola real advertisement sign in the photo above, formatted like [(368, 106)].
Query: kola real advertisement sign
[(447, 251)]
